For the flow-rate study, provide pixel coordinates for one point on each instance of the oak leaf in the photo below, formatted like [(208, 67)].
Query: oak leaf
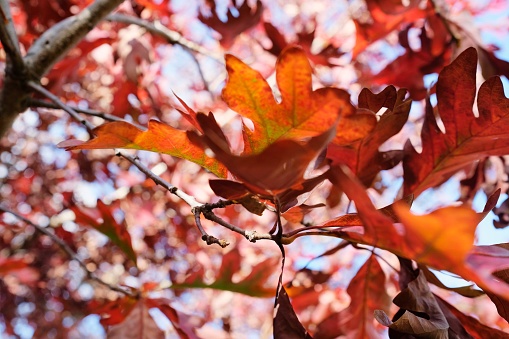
[(301, 112), (363, 156), (467, 138)]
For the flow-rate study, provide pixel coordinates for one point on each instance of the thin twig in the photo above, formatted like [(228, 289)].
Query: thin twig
[(159, 29), (73, 255), (91, 112), (9, 38), (38, 88), (197, 208)]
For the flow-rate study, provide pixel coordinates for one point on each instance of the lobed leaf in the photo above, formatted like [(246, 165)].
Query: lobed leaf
[(301, 113), (467, 138), (363, 156)]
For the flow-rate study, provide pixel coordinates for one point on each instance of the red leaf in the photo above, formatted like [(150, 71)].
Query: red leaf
[(386, 15), (467, 138), (138, 324), (254, 284), (286, 323), (363, 156), (177, 319), (368, 293), (235, 24), (277, 168), (102, 220), (471, 324)]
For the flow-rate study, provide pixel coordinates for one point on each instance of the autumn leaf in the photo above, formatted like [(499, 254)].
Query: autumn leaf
[(387, 15), (420, 314), (254, 284), (472, 325), (112, 312), (244, 19), (103, 221), (159, 137), (138, 324), (363, 156), (286, 324), (368, 293), (277, 168), (435, 52), (177, 319), (301, 113), (305, 39), (467, 138)]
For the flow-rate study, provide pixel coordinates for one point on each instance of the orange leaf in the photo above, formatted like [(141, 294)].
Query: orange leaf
[(467, 138), (363, 156), (302, 111), (277, 168), (159, 138)]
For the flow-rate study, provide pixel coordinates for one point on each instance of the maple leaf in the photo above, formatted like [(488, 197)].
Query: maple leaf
[(467, 138), (301, 113), (103, 221), (254, 284), (363, 156), (368, 293), (159, 138)]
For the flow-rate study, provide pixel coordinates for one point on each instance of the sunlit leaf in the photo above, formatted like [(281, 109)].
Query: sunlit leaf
[(301, 113), (467, 138), (159, 137)]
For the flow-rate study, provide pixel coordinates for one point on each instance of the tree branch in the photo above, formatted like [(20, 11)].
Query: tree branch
[(64, 35), (159, 29), (91, 112), (73, 255), (9, 38), (43, 54)]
